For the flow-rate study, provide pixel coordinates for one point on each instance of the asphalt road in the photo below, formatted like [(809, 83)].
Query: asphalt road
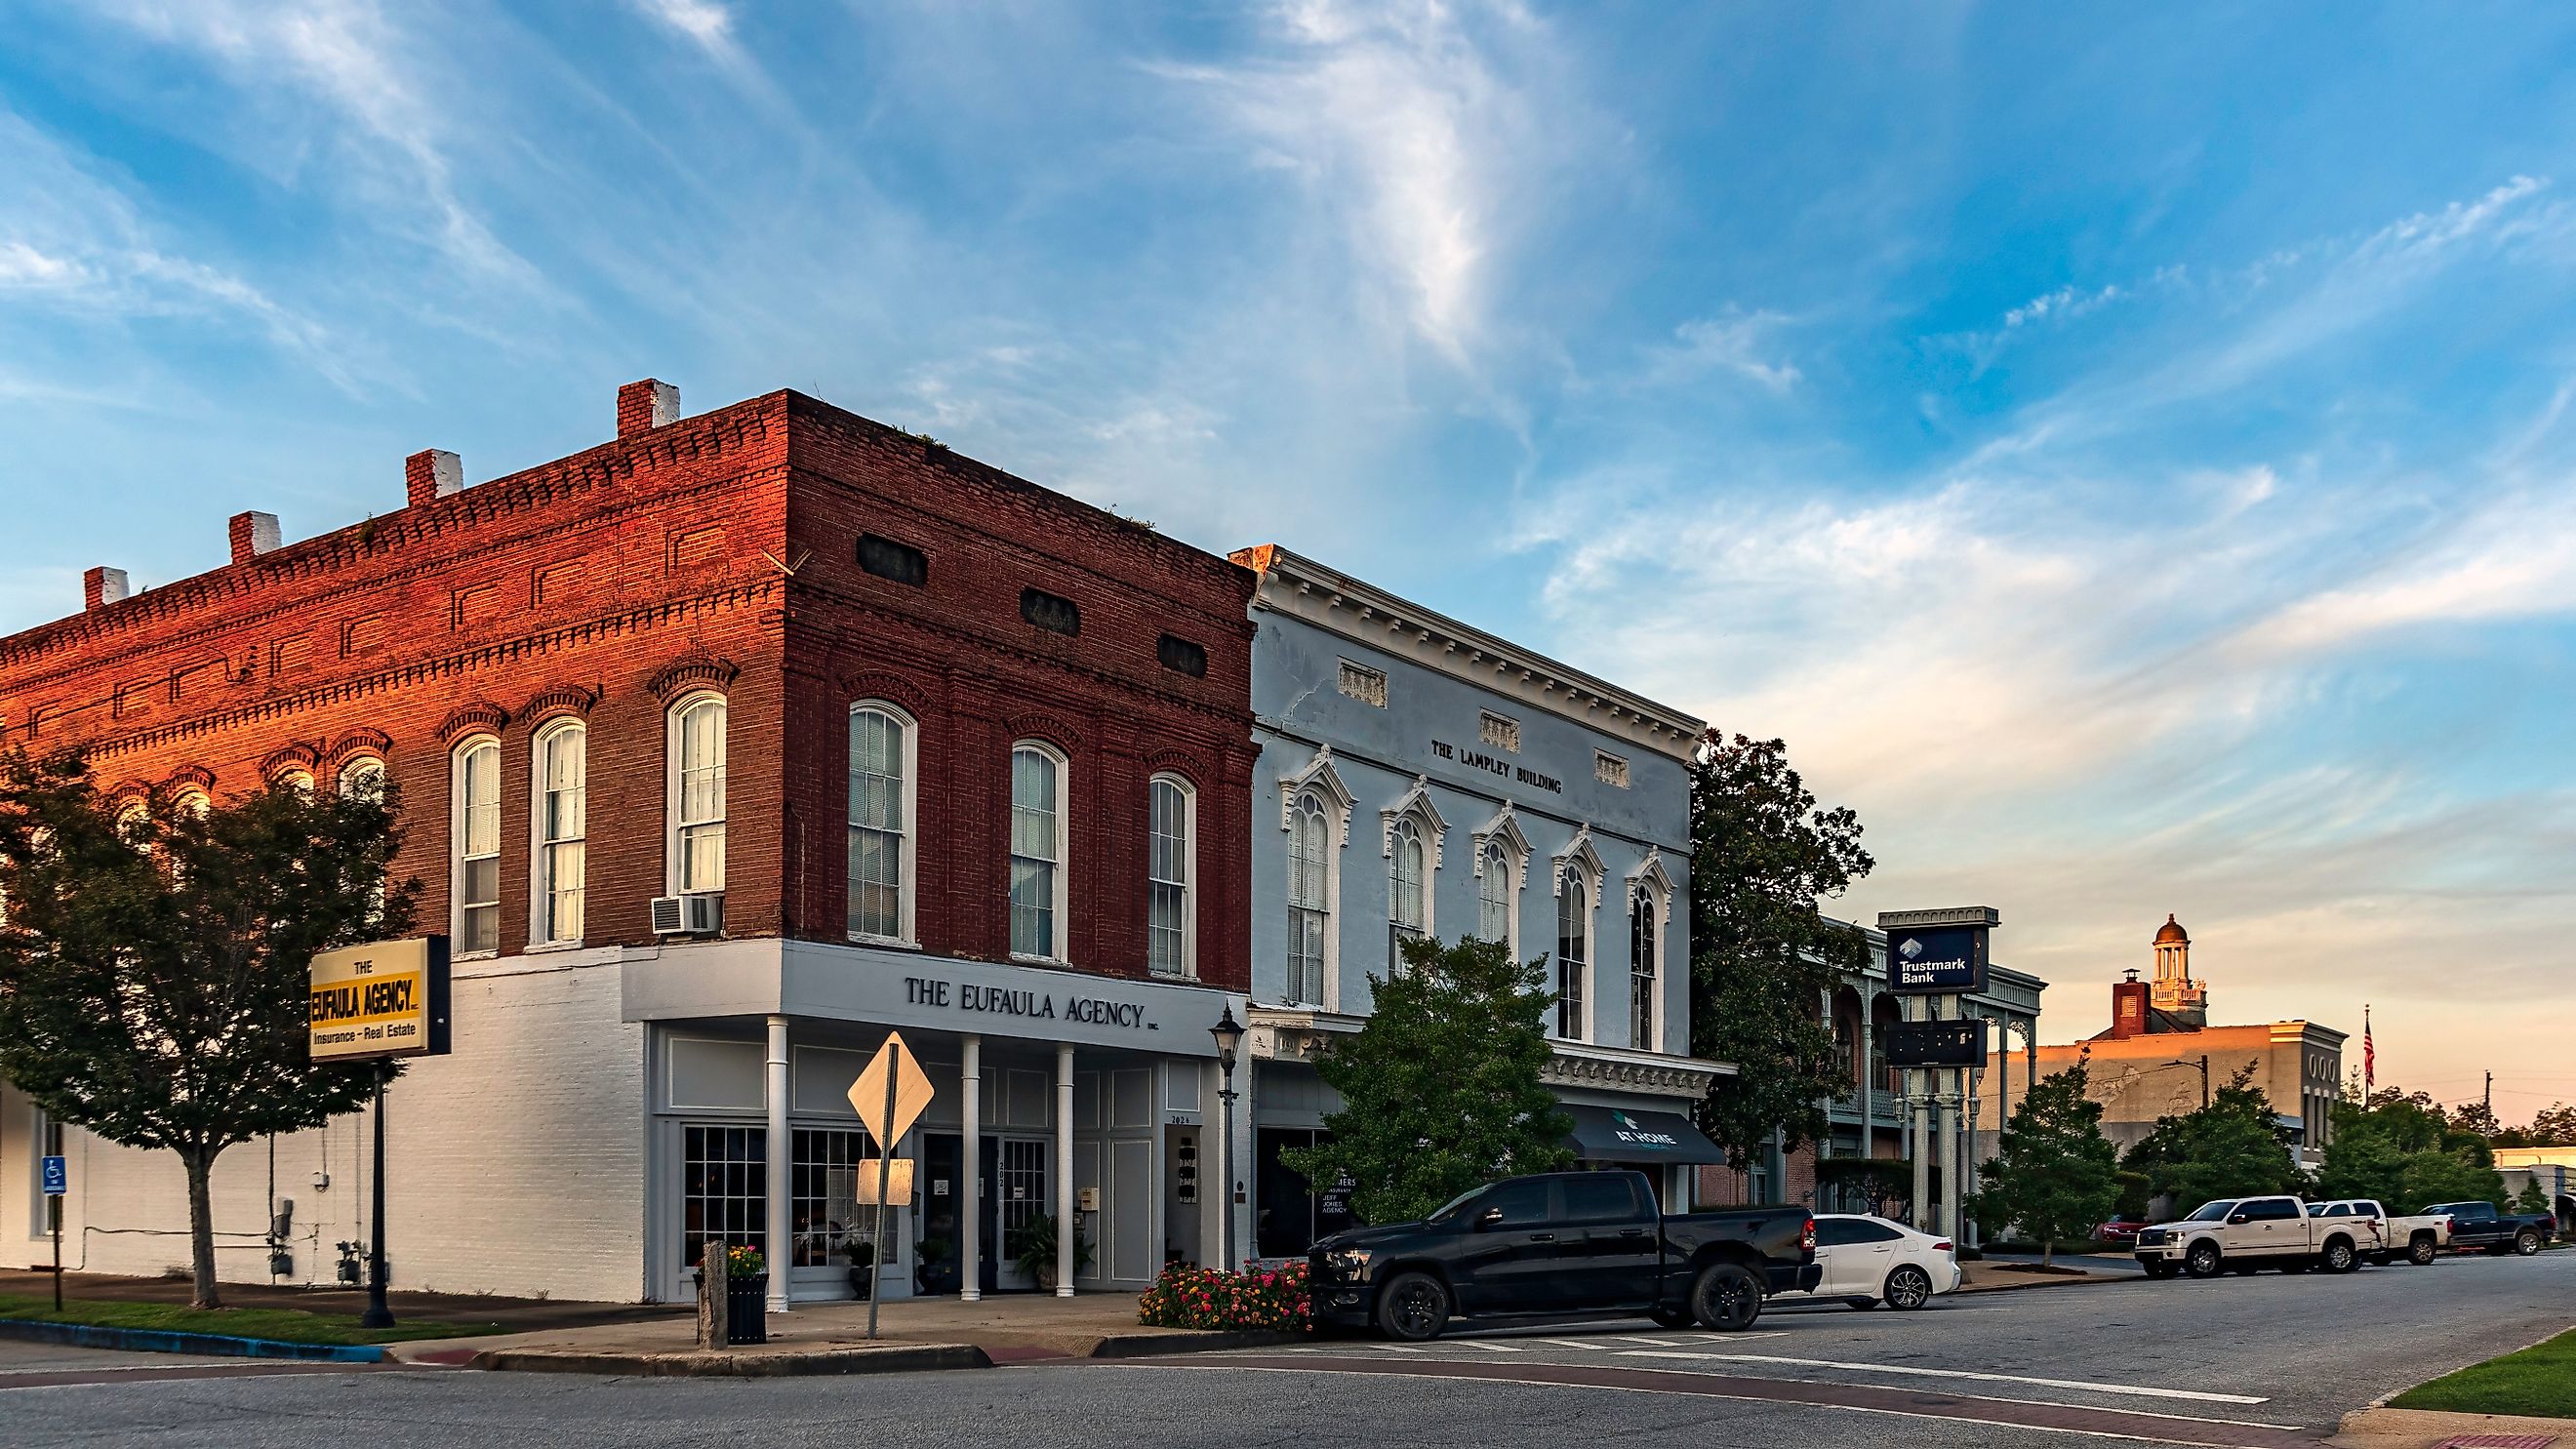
[(2260, 1361)]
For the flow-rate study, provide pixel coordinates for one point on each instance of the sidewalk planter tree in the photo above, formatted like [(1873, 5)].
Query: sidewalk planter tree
[(154, 960), (2057, 1176)]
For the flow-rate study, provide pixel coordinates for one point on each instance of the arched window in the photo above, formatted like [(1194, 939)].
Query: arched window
[(1644, 950), (1573, 953), (561, 815), (1406, 911), (191, 803), (298, 780), (1037, 851), (1310, 864), (1171, 847), (474, 877), (134, 823), (363, 777), (696, 847), (1494, 893), (882, 757)]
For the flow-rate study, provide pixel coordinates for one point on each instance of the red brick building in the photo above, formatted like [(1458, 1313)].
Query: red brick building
[(724, 747)]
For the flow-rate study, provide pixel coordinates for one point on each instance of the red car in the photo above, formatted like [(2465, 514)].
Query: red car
[(2119, 1233)]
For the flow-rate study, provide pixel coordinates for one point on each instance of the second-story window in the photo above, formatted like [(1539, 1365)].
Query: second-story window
[(1169, 925), (1310, 862), (881, 806), (1573, 953), (697, 844), (1405, 911), (1642, 954), (475, 881), (562, 820), (1037, 852), (1494, 894)]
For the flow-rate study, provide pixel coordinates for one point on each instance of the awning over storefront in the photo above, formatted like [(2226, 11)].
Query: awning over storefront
[(1608, 1134)]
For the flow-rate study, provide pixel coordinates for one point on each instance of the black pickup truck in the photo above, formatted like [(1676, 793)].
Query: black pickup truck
[(2478, 1225), (1558, 1245)]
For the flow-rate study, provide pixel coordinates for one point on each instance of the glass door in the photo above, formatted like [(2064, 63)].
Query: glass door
[(1019, 1197)]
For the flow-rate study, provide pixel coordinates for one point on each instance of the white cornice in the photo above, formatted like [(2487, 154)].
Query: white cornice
[(1365, 614), (1299, 1033)]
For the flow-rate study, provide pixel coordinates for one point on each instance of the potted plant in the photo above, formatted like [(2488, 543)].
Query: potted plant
[(863, 1263), (746, 1295), (936, 1274), (1033, 1250)]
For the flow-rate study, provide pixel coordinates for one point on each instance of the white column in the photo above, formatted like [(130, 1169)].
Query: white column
[(1065, 1227), (779, 1181), (1950, 1164), (970, 1173)]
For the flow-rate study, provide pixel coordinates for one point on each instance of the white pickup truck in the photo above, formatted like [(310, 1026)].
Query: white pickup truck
[(2243, 1235), (2418, 1240)]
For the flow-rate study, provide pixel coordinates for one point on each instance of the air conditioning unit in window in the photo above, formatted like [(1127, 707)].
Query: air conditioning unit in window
[(691, 915)]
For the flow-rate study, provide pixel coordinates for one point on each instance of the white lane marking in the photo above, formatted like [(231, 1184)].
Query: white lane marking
[(2132, 1413), (1489, 1347), (1393, 1348), (1640, 1338), (1218, 1366), (1574, 1343), (2137, 1390)]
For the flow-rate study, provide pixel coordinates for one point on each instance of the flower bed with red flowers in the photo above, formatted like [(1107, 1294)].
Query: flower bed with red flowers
[(1273, 1300)]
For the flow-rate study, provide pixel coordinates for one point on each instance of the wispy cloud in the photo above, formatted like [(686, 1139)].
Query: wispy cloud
[(1739, 343)]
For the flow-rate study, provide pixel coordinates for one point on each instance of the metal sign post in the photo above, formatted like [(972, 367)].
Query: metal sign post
[(58, 1185), (896, 1077), (885, 1174), (382, 1000)]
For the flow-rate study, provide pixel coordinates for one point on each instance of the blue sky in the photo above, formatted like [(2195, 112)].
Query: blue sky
[(2126, 453)]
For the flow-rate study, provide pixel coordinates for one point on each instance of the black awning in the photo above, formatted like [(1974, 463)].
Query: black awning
[(1609, 1134)]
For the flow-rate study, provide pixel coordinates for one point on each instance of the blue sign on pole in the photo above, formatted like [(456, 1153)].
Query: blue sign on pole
[(1938, 959), (58, 1177)]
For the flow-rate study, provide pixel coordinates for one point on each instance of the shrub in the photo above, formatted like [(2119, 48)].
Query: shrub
[(1262, 1299)]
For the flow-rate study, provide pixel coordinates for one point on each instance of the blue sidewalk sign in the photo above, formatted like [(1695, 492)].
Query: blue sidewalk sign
[(58, 1177)]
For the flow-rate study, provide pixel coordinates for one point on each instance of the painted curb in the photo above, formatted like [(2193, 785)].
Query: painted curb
[(1215, 1340), (162, 1340), (735, 1364)]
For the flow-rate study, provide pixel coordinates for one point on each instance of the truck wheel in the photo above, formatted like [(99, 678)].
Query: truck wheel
[(1412, 1307), (2420, 1249), (1726, 1297), (2201, 1261), (2339, 1256), (2526, 1242), (2158, 1268), (1908, 1287)]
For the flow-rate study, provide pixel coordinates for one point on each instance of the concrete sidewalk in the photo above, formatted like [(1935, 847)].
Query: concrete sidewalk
[(832, 1338), (2419, 1429)]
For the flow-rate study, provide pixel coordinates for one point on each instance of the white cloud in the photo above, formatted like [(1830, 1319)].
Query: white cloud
[(1733, 343)]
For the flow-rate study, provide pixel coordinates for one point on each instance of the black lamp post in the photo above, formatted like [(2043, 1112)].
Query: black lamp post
[(1229, 1040), (2203, 1064)]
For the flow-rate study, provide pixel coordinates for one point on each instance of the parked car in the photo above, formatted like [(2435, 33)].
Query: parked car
[(1866, 1261), (2245, 1234), (2119, 1233), (1563, 1244), (2478, 1225), (2417, 1239)]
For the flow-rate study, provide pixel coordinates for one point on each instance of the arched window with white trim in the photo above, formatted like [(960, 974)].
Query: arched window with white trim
[(696, 847), (1038, 836), (560, 816), (1573, 953), (883, 753), (1494, 893), (1310, 908), (474, 833), (297, 779), (362, 778), (1408, 911), (1645, 955), (1171, 931)]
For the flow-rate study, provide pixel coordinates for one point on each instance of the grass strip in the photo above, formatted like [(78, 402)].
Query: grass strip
[(286, 1325), (2538, 1382)]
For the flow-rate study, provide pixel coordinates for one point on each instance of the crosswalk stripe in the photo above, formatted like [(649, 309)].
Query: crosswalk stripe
[(2135, 1390)]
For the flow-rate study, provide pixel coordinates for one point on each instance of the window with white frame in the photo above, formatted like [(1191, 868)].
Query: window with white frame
[(561, 816), (883, 749), (1644, 950), (474, 880), (1310, 864), (1494, 893), (1407, 914), (697, 754), (298, 780), (1037, 851), (1573, 952), (1170, 925), (363, 778)]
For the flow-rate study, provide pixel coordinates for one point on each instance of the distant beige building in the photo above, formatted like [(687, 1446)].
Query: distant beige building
[(2160, 1057)]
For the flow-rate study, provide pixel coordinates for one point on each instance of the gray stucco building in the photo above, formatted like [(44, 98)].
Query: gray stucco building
[(1419, 776)]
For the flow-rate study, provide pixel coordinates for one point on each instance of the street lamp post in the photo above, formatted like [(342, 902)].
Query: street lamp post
[(2203, 1064), (1229, 1039)]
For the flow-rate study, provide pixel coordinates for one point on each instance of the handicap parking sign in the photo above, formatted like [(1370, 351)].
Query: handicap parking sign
[(58, 1177)]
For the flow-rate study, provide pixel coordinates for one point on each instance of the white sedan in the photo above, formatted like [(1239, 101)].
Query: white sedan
[(1869, 1261)]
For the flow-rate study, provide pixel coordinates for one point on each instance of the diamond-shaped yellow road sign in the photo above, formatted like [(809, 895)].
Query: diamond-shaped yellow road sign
[(912, 1092)]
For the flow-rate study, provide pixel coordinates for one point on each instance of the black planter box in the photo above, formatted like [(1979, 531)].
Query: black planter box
[(747, 1309)]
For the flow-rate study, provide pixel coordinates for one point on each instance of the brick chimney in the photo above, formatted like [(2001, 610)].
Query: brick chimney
[(101, 587), (643, 406), (253, 534), (432, 474), (2128, 1008)]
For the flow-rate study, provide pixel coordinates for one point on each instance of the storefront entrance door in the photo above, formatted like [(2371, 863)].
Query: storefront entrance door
[(1017, 1168)]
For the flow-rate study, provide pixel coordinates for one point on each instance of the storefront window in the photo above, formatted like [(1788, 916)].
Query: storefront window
[(1290, 1214), (724, 1189), (823, 1203)]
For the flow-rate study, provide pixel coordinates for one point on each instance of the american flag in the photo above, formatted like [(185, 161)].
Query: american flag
[(2369, 1054)]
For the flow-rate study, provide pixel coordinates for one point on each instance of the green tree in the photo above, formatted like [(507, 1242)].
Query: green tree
[(1440, 1089), (2055, 1176), (153, 969), (2553, 1126), (2533, 1198), (2230, 1148), (2405, 1151), (1763, 957)]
